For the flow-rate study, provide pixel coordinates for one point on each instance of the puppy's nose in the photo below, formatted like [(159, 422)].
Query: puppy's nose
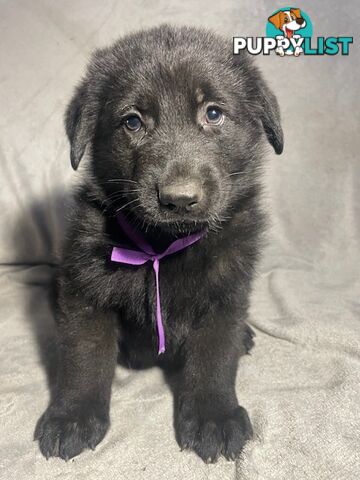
[(299, 21), (181, 195)]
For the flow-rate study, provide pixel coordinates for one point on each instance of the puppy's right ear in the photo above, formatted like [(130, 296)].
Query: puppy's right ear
[(79, 125), (276, 19)]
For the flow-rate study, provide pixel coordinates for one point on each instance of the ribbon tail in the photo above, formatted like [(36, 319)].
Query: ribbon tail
[(159, 323), (131, 257)]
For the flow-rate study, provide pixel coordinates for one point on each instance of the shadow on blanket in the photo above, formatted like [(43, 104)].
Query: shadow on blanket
[(38, 234)]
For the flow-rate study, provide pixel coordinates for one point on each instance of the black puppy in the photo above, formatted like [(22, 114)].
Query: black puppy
[(173, 125)]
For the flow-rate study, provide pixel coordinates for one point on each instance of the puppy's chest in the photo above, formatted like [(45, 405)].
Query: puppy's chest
[(170, 282), (176, 289)]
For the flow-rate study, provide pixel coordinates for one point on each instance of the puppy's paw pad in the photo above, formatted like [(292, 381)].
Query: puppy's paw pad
[(66, 436)]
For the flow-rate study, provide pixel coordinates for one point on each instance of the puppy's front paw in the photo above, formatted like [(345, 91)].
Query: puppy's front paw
[(65, 435), (213, 434)]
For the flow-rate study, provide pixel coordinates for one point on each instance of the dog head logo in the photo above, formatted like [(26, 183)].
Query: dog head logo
[(288, 21), (291, 25)]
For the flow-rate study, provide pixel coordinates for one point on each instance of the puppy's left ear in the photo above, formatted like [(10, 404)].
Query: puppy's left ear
[(259, 100), (269, 113), (264, 106), (79, 124)]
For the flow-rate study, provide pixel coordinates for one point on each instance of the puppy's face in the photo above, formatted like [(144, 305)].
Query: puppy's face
[(288, 21), (175, 124)]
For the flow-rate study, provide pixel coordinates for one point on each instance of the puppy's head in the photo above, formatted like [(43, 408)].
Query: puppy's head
[(174, 124), (288, 21)]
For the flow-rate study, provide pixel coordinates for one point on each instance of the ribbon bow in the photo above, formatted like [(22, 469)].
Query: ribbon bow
[(146, 253)]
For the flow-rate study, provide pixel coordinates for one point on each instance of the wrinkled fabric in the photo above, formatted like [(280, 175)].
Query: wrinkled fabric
[(301, 383)]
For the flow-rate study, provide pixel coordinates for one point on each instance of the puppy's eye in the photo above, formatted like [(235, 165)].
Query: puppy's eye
[(214, 116), (133, 123)]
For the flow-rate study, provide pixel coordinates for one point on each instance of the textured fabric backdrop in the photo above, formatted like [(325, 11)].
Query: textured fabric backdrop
[(301, 383)]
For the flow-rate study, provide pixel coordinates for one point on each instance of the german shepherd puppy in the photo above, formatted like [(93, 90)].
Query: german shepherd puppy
[(173, 125)]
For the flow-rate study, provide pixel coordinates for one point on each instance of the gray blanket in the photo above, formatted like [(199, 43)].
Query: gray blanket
[(301, 383)]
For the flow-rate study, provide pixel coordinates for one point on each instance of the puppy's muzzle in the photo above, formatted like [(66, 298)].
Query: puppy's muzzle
[(300, 21), (181, 196)]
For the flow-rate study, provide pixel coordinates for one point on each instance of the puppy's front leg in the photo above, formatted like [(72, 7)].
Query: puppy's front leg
[(208, 418), (78, 415)]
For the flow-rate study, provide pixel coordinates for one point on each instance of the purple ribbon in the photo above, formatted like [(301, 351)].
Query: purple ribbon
[(146, 253)]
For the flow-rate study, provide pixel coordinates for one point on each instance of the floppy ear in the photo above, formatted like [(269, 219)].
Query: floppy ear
[(276, 19), (270, 119), (266, 109), (296, 11), (260, 100), (79, 125)]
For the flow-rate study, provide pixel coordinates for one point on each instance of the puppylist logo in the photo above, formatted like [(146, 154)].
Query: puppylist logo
[(289, 33)]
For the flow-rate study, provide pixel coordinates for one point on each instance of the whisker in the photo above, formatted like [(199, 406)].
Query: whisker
[(122, 192), (113, 197), (119, 180), (235, 173), (127, 204)]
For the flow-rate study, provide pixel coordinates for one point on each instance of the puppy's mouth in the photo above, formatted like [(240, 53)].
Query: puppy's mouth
[(289, 33), (177, 224)]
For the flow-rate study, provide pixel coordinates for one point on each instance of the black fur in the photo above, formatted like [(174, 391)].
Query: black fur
[(167, 76)]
